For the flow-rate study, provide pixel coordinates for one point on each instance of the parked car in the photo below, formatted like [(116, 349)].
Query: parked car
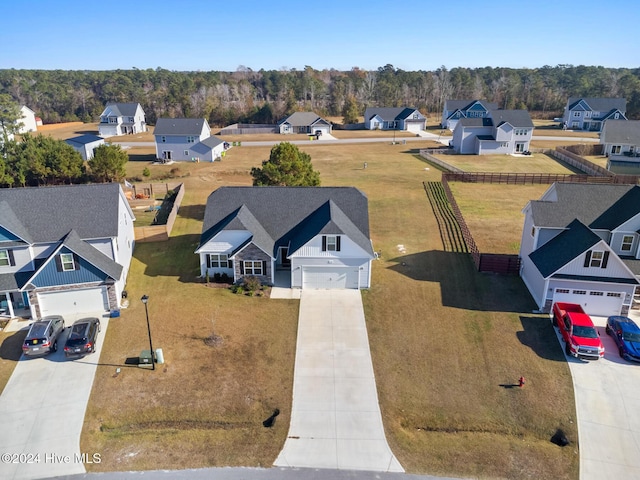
[(43, 334), (581, 338), (626, 334), (82, 337)]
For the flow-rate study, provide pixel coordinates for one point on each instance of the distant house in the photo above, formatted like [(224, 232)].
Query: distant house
[(590, 113), (394, 118), (581, 244), (64, 250), (122, 119), (300, 237), (455, 110), (28, 120), (304, 122), (621, 143), (85, 144), (500, 132), (186, 139)]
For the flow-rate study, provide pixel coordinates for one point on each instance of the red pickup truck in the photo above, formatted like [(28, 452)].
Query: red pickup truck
[(577, 330)]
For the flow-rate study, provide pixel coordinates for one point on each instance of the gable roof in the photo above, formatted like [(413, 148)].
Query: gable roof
[(475, 122), (597, 206), (84, 139), (621, 132), (47, 214), (516, 118), (277, 216), (181, 126), (123, 109), (389, 113), (563, 248), (94, 256), (466, 104), (302, 119), (599, 104), (206, 145)]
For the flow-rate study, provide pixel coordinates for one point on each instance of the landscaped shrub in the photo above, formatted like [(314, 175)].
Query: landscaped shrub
[(146, 172), (252, 284)]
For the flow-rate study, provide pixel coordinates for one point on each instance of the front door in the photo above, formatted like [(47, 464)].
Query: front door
[(284, 261)]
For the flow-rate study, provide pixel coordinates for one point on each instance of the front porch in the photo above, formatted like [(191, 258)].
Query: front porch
[(13, 305)]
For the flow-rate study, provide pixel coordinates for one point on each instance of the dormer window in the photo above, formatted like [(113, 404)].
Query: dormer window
[(596, 259), (67, 262), (330, 243), (627, 243)]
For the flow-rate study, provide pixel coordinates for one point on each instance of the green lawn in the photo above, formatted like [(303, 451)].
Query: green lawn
[(535, 163)]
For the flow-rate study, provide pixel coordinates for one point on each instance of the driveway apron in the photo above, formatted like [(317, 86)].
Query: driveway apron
[(335, 419), (43, 407)]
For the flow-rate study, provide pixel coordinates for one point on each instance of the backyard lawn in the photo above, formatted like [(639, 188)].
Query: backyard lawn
[(535, 163)]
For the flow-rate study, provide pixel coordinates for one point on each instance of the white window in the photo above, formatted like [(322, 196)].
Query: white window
[(163, 139), (113, 120), (587, 114), (596, 259), (615, 149), (332, 243), (66, 260), (616, 116), (4, 258), (504, 144), (253, 267), (191, 139), (219, 260), (186, 153), (576, 114), (627, 243)]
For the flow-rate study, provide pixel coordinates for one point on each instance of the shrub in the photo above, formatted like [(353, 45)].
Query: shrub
[(217, 277), (146, 172), (251, 284)]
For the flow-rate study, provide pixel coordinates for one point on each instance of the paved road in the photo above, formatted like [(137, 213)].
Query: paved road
[(335, 417), (43, 407)]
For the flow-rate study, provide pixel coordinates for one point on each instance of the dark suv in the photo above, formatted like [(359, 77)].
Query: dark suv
[(82, 337), (43, 336)]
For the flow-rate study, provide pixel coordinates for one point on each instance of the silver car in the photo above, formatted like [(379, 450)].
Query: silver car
[(43, 335)]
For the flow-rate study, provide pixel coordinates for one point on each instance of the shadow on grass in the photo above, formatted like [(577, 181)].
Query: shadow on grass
[(195, 212), (461, 285), (539, 335), (11, 347), (151, 157), (86, 132), (173, 258)]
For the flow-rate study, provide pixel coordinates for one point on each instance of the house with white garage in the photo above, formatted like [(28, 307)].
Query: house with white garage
[(581, 244), (304, 122), (500, 132), (455, 110), (122, 119), (85, 145), (300, 237), (394, 118), (64, 249), (186, 139), (590, 113)]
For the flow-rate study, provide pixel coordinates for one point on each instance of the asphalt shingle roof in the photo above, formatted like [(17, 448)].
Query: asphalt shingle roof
[(516, 118), (181, 126), (388, 113), (302, 119), (124, 109), (624, 132), (84, 139), (600, 104), (279, 215), (451, 105)]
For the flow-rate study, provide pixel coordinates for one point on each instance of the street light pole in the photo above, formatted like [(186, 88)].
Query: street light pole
[(145, 299)]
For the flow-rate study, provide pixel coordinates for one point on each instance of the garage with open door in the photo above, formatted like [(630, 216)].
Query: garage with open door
[(72, 302), (595, 302), (330, 277)]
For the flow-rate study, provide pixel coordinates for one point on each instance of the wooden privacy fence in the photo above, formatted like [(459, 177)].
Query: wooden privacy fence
[(160, 233)]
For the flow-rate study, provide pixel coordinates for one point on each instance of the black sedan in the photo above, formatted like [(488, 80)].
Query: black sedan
[(82, 337), (626, 334)]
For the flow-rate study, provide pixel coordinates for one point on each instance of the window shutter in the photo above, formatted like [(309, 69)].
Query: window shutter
[(12, 261), (241, 267), (76, 262), (230, 263), (338, 243), (324, 243), (605, 259), (587, 259), (208, 261), (264, 267), (58, 263)]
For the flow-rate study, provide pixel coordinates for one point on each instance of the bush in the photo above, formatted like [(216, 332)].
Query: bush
[(252, 284), (146, 172)]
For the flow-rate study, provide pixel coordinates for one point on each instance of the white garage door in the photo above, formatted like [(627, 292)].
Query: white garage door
[(74, 301), (329, 277), (414, 127), (594, 302)]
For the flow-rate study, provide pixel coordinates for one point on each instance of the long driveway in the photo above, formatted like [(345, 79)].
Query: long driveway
[(42, 411), (335, 418), (607, 393)]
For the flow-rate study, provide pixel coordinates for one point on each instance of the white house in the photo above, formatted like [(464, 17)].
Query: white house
[(85, 144), (301, 237), (122, 119), (500, 132), (187, 139), (581, 244), (304, 122), (394, 118), (28, 120), (590, 113)]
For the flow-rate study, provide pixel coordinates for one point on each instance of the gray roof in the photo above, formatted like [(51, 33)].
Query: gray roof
[(600, 104), (206, 145), (47, 214), (388, 113), (282, 216), (94, 256), (475, 122), (450, 105), (516, 118), (123, 109), (302, 119), (181, 126), (597, 206), (84, 139), (625, 132)]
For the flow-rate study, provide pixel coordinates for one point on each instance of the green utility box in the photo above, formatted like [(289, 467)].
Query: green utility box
[(146, 359)]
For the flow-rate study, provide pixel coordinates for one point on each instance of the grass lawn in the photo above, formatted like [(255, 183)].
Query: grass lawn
[(535, 163), (597, 159)]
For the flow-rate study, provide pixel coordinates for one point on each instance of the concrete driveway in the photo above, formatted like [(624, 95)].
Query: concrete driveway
[(607, 393), (43, 408), (335, 419)]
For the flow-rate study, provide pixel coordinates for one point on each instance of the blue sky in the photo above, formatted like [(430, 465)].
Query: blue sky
[(339, 34)]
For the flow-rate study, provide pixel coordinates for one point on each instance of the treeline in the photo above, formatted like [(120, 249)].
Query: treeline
[(266, 96)]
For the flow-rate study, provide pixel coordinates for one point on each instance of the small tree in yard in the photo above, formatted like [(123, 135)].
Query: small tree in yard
[(108, 163), (287, 166), (350, 111)]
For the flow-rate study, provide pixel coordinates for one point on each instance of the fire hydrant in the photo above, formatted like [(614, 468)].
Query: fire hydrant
[(521, 382)]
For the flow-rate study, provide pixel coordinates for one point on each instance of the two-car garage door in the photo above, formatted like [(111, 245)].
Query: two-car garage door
[(330, 277), (594, 302), (72, 302)]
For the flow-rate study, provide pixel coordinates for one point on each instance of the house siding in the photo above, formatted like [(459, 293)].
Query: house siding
[(252, 252), (615, 268), (49, 276)]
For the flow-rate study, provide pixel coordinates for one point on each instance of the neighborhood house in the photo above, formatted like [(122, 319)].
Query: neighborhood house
[(304, 122), (580, 244), (621, 143), (28, 120), (301, 237), (590, 113), (64, 249), (454, 110), (186, 139), (85, 144), (400, 118), (122, 119)]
